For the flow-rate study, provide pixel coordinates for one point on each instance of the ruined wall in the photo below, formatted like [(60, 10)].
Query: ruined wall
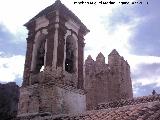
[(50, 99), (9, 94), (107, 82)]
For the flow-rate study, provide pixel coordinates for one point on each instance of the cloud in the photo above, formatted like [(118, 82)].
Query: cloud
[(19, 81), (147, 74), (12, 50), (144, 90), (9, 44), (146, 78), (11, 68), (146, 37), (120, 17), (144, 27), (15, 13), (146, 70)]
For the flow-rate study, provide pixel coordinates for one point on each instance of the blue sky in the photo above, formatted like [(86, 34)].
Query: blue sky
[(131, 29)]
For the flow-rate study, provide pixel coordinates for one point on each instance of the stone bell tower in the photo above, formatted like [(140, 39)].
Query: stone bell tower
[(53, 71)]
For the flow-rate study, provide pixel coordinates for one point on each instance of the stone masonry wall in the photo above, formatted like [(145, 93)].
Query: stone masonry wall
[(107, 82), (9, 94), (48, 98)]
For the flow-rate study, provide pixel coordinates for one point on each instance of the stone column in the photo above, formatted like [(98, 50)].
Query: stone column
[(61, 41), (50, 38), (81, 45), (28, 59)]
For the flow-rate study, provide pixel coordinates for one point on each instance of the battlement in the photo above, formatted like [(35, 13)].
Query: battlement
[(99, 65)]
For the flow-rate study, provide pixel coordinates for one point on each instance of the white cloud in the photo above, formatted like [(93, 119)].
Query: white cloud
[(135, 60), (145, 79), (11, 68), (15, 13), (148, 80)]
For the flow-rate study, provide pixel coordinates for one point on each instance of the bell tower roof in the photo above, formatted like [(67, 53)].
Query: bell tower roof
[(63, 10)]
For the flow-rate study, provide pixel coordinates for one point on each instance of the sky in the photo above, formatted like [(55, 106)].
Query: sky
[(131, 29)]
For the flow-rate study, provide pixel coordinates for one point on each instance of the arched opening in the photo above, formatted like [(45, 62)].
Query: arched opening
[(70, 55), (40, 54)]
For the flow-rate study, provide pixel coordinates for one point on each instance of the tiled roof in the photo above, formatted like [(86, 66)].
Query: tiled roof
[(142, 108), (144, 111), (133, 101)]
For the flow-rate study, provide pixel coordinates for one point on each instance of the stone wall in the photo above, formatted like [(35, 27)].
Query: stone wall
[(107, 82), (49, 98), (9, 94)]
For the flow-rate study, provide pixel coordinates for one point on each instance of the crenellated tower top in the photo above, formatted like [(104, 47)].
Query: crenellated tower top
[(100, 58)]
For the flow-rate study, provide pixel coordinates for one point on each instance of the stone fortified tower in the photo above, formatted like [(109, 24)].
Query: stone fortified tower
[(53, 71), (107, 82)]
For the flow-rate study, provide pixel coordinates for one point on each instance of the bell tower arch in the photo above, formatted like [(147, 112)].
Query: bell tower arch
[(71, 55), (38, 54)]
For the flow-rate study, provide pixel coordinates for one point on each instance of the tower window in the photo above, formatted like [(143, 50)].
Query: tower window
[(70, 55), (40, 56)]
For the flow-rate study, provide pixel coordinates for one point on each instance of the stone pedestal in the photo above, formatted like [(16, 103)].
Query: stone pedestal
[(50, 99)]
